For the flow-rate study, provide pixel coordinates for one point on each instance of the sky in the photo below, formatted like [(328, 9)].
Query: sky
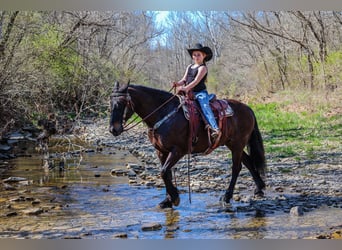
[(160, 20), (161, 17)]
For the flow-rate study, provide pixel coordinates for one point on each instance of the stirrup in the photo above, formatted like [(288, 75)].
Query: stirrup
[(215, 134)]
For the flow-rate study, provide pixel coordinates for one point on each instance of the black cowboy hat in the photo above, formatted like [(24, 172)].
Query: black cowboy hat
[(206, 50)]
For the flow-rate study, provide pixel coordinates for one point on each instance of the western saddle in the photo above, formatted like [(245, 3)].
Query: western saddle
[(192, 112)]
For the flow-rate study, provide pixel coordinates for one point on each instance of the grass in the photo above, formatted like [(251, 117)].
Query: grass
[(298, 133)]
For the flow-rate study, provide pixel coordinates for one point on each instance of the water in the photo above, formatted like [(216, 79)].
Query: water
[(77, 204)]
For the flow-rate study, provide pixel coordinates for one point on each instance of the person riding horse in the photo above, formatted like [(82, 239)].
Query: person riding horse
[(194, 80)]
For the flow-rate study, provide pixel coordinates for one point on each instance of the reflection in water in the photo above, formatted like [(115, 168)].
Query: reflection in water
[(250, 227), (172, 223)]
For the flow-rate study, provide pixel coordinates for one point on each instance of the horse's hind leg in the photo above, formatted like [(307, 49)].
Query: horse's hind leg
[(236, 168), (255, 174), (168, 161)]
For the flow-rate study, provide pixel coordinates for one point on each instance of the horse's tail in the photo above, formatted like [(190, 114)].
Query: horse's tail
[(256, 150)]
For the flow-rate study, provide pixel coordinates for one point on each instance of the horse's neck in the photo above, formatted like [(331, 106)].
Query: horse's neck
[(145, 105)]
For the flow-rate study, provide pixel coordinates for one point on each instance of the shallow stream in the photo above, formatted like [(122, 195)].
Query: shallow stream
[(86, 201)]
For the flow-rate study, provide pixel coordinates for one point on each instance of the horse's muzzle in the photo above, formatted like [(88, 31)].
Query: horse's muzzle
[(116, 129)]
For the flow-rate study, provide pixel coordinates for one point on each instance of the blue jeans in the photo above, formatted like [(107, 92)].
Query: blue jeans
[(203, 99)]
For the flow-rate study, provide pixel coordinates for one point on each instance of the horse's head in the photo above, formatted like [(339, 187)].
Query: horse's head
[(120, 108)]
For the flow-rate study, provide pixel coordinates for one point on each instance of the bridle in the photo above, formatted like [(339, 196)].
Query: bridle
[(130, 105)]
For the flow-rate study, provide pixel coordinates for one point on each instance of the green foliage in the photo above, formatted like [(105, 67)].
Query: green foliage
[(293, 134), (63, 62)]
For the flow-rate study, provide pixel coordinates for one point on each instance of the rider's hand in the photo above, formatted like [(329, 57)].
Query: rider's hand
[(181, 89), (174, 84)]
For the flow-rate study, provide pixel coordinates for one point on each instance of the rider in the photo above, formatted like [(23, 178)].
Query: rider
[(194, 79)]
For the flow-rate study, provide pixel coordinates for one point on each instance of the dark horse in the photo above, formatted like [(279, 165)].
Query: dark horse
[(170, 139)]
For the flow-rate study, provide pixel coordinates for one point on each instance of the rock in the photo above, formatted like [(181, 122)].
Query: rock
[(35, 202), (33, 211), (71, 237), (120, 235), (154, 226), (11, 214), (173, 228), (131, 174), (17, 199), (132, 182), (5, 156), (118, 172), (16, 136), (5, 147), (279, 189), (236, 197), (9, 187), (135, 167), (150, 184), (246, 199), (296, 211), (14, 179)]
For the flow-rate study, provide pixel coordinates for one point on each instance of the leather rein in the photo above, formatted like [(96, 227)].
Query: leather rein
[(129, 105)]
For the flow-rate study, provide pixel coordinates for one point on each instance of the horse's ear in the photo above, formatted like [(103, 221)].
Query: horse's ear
[(127, 85), (116, 86)]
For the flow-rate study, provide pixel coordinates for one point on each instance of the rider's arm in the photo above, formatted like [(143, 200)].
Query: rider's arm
[(202, 70)]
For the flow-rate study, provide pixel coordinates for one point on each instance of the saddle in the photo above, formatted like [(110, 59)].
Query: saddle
[(192, 112)]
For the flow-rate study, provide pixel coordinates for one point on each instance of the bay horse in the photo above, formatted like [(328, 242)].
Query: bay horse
[(170, 137)]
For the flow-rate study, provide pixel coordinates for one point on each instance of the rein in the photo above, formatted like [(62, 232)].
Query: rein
[(128, 127)]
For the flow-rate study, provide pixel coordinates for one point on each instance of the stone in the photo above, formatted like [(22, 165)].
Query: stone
[(118, 172), (131, 174), (236, 197), (120, 235), (35, 202), (33, 211), (11, 214), (16, 136), (17, 199), (72, 237), (9, 187), (153, 226), (279, 189), (296, 211), (14, 179), (4, 147)]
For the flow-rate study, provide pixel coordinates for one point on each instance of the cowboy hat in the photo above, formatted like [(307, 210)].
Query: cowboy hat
[(206, 50)]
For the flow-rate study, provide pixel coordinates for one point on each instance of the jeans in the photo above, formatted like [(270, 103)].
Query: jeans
[(203, 99)]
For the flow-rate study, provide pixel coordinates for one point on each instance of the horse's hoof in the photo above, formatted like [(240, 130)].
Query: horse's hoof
[(259, 193), (225, 200), (165, 204), (176, 202)]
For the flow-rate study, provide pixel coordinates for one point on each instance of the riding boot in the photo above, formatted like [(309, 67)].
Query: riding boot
[(214, 133)]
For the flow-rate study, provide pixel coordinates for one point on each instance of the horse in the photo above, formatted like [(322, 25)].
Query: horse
[(170, 136)]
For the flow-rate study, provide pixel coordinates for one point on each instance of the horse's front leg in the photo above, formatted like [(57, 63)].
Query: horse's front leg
[(168, 161)]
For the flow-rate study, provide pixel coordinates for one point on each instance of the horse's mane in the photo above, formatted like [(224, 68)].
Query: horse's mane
[(162, 95)]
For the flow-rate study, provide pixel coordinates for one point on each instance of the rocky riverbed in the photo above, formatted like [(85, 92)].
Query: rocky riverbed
[(305, 189), (293, 186)]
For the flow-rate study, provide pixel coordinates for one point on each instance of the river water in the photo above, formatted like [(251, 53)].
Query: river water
[(86, 201)]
